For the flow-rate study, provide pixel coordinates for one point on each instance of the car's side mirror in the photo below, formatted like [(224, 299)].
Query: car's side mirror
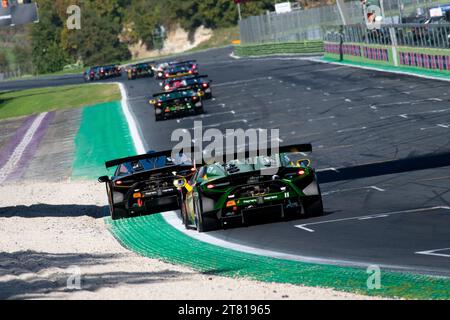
[(103, 179), (153, 101)]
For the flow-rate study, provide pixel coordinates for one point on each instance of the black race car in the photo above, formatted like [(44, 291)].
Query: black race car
[(102, 72), (246, 189), (161, 69), (189, 82), (177, 103), (180, 70), (140, 70), (143, 184)]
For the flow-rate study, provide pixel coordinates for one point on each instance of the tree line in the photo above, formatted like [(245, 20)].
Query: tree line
[(108, 27)]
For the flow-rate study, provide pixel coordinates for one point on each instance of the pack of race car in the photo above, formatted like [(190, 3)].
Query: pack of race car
[(213, 194), (184, 90), (140, 70), (102, 72)]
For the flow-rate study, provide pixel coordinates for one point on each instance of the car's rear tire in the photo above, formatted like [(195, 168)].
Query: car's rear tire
[(313, 208), (206, 224), (199, 110), (118, 213)]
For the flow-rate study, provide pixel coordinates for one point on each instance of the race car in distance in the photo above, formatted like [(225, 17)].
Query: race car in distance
[(189, 82), (180, 70), (143, 184), (176, 103), (162, 67), (242, 190), (102, 72), (140, 70)]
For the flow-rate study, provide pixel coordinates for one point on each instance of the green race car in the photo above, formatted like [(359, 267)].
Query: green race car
[(239, 191), (177, 103)]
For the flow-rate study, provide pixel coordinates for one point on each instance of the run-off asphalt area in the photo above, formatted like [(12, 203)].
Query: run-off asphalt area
[(381, 142)]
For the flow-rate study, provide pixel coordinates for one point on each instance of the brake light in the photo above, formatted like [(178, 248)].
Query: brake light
[(210, 186), (167, 75), (301, 172), (231, 203), (205, 85), (118, 182), (167, 87), (194, 66), (167, 109), (190, 71)]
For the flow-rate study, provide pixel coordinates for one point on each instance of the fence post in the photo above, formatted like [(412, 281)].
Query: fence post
[(394, 45)]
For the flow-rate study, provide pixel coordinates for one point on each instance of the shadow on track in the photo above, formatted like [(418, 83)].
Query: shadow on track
[(25, 273), (384, 168), (46, 210)]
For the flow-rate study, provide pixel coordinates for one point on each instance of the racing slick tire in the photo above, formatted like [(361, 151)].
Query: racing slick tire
[(200, 110), (204, 224), (118, 213), (313, 207)]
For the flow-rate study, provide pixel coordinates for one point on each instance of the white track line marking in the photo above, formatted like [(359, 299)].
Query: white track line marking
[(351, 129), (172, 219), (354, 189), (17, 154), (324, 118), (327, 169), (385, 214), (433, 253), (134, 130), (239, 82)]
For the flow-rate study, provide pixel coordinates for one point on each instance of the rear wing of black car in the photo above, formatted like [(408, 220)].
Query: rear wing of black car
[(117, 162), (190, 77), (180, 63), (142, 64), (169, 92)]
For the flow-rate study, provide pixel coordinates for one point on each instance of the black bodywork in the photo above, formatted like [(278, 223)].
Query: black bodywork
[(198, 82), (162, 68), (140, 70), (143, 184), (102, 72), (177, 103)]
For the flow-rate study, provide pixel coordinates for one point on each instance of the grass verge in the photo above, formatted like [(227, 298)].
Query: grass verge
[(32, 101), (306, 47), (220, 38)]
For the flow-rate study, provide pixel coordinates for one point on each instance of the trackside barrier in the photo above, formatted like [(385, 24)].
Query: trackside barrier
[(404, 46)]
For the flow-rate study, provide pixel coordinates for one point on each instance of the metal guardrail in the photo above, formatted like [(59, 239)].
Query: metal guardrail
[(298, 25), (309, 24), (411, 35)]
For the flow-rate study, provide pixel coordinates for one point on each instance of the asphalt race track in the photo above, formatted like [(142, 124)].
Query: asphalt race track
[(381, 146)]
